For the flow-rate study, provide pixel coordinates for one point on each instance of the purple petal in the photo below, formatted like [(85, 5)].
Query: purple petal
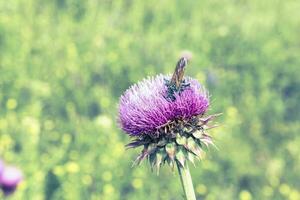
[(143, 107)]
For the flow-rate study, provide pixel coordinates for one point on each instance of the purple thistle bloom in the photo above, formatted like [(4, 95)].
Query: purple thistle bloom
[(144, 107), (166, 116), (9, 179)]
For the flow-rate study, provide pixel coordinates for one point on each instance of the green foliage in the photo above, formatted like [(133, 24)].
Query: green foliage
[(64, 64)]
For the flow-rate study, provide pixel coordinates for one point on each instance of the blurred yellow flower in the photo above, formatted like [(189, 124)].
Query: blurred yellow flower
[(72, 167), (107, 176), (284, 189), (66, 138), (5, 142), (58, 170), (201, 189), (245, 195), (32, 126), (108, 189), (294, 195), (11, 104), (104, 121), (137, 183)]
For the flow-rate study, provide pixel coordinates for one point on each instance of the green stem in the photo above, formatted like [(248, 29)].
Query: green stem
[(186, 181)]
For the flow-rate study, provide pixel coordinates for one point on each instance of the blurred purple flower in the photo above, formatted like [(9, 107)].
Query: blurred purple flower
[(144, 108), (9, 179)]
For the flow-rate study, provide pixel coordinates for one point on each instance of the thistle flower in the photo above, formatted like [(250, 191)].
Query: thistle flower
[(10, 179), (167, 116), (145, 106)]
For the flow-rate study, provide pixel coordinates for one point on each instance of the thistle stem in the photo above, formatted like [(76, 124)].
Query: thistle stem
[(186, 181)]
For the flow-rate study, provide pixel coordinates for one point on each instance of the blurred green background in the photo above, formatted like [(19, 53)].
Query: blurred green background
[(64, 64)]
